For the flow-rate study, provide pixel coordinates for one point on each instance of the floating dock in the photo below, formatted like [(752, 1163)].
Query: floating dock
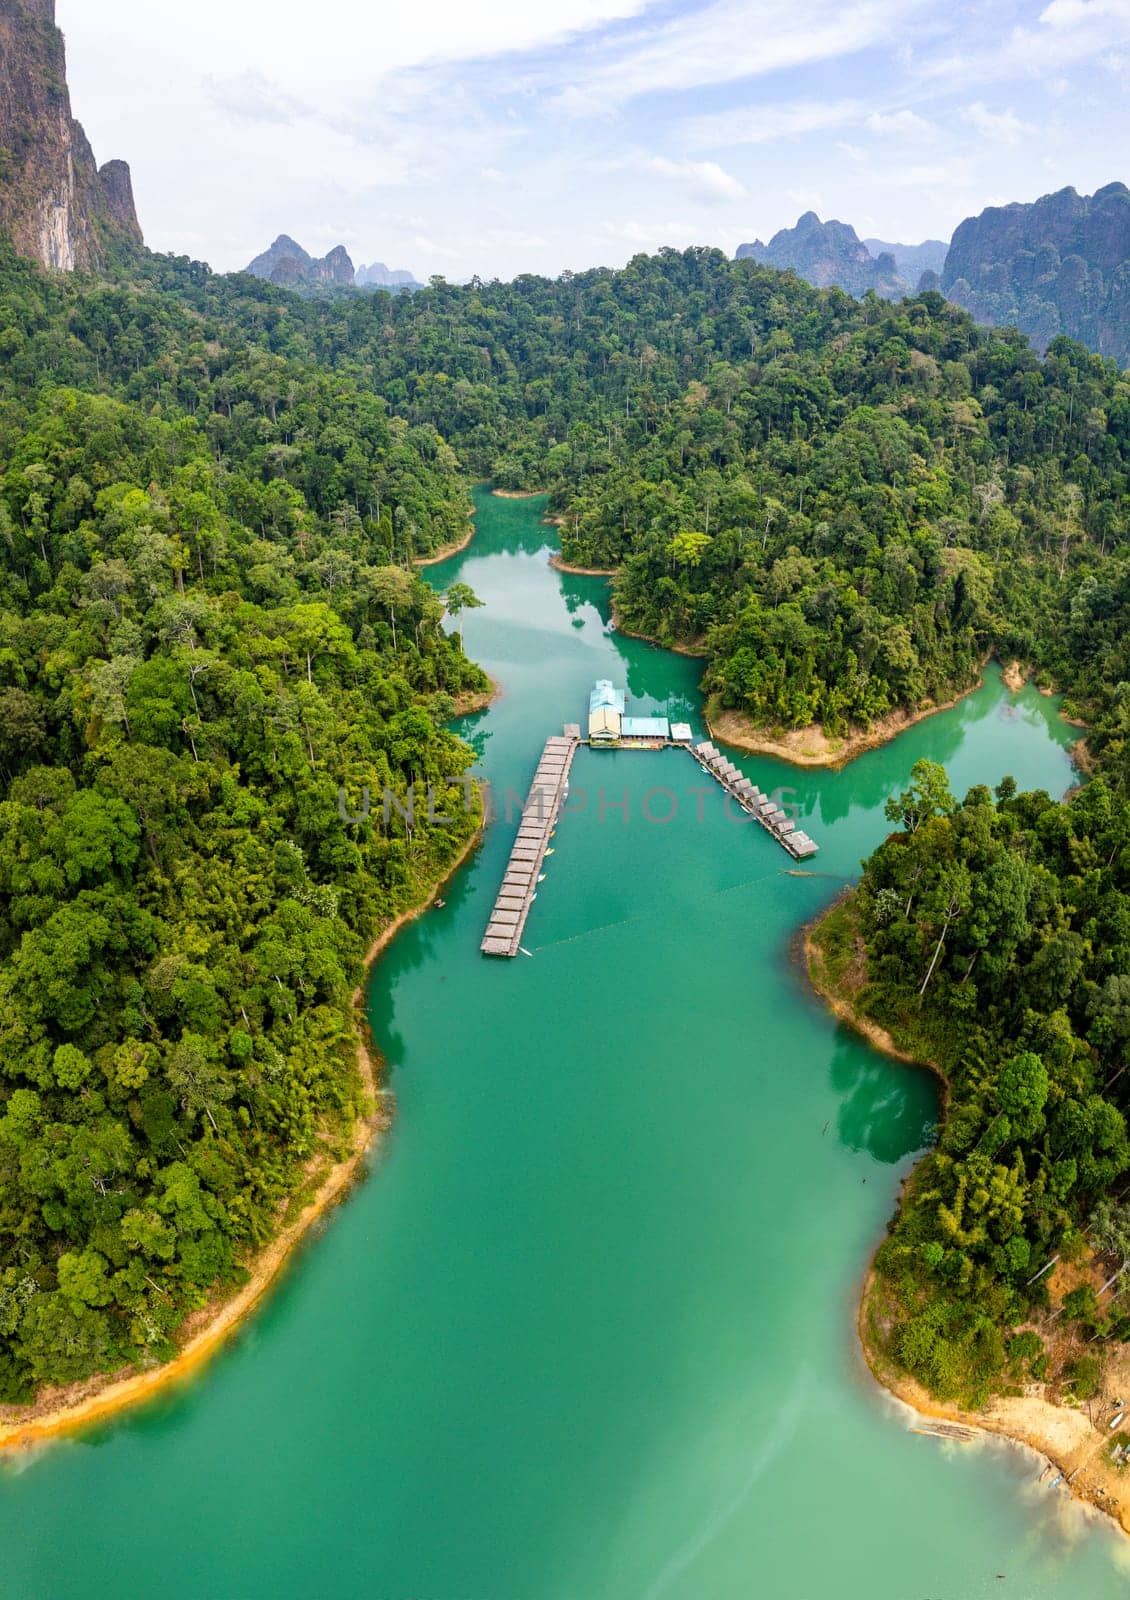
[(772, 817), (609, 727), (539, 818)]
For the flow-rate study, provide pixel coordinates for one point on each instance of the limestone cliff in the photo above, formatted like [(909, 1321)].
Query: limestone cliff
[(1058, 265), (56, 205)]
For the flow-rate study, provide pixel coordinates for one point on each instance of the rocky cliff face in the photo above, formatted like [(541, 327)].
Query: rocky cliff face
[(56, 204), (827, 253), (1059, 265)]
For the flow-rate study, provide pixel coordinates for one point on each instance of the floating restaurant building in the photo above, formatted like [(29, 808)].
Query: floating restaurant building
[(608, 724), (606, 713)]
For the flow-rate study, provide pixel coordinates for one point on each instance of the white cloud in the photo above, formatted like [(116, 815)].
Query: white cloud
[(734, 39), (900, 124), (760, 124), (436, 247), (703, 179), (1068, 33), (361, 44), (582, 104), (411, 144), (251, 97), (1082, 13), (1002, 127), (651, 235)]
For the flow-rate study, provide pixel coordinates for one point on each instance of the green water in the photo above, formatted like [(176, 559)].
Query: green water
[(585, 1333)]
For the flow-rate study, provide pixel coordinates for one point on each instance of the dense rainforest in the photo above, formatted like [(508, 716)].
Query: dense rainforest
[(211, 495), (992, 938), (845, 506), (209, 625)]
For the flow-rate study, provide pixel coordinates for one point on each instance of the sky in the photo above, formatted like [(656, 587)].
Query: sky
[(506, 136)]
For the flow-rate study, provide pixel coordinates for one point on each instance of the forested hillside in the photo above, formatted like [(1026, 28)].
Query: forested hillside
[(208, 624), (992, 937), (846, 506)]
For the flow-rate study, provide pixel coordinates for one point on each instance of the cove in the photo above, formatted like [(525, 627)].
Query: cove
[(587, 1330)]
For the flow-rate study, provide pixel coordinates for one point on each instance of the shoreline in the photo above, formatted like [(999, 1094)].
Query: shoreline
[(468, 701), (517, 494), (446, 551), (873, 1032), (695, 652), (559, 564), (1059, 1434), (1063, 1435), (94, 1399), (811, 746)]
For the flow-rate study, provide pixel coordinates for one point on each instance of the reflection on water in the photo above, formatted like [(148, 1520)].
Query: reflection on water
[(883, 1113)]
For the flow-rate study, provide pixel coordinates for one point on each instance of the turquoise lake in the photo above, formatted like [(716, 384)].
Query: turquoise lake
[(586, 1330)]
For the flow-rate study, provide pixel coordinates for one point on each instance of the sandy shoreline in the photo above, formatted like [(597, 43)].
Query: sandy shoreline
[(61, 1411), (446, 551), (559, 564), (1061, 1434), (812, 747), (517, 494)]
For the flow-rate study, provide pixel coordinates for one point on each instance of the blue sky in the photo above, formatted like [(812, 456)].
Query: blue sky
[(504, 137)]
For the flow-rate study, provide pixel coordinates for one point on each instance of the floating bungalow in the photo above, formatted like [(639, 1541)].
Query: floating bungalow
[(761, 807)]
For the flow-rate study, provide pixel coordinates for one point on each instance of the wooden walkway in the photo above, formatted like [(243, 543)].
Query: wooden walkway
[(539, 818), (759, 806)]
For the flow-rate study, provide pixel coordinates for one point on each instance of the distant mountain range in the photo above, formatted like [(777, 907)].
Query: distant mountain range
[(912, 260), (827, 254), (287, 264), (378, 276), (1058, 265)]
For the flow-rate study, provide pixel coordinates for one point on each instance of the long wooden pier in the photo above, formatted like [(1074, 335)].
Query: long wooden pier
[(760, 807), (539, 818)]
